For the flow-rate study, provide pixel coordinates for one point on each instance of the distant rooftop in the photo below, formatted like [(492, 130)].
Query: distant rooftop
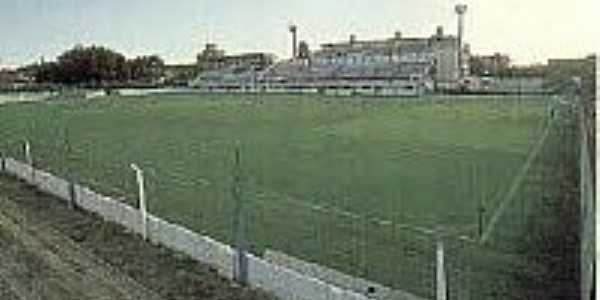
[(385, 41)]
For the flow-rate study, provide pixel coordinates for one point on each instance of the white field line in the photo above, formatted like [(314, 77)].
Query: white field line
[(341, 212), (514, 186), (438, 232), (383, 222), (379, 221)]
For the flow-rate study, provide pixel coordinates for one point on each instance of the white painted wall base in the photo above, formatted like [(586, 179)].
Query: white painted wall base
[(283, 282)]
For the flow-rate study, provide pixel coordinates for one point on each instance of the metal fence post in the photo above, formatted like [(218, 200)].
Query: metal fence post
[(66, 156), (72, 195), (142, 199), (441, 284), (29, 160), (240, 270), (2, 162)]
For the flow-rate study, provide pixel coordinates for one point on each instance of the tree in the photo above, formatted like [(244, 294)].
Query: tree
[(561, 73), (97, 66), (146, 68), (92, 65), (303, 50)]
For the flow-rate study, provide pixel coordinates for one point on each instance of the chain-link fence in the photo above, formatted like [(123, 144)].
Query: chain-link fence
[(266, 186), (587, 195), (530, 239)]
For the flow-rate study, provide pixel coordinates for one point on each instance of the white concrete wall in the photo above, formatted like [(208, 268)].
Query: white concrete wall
[(199, 247), (283, 282), (52, 185), (19, 170), (513, 85), (287, 284), (24, 97), (150, 91), (95, 94), (337, 278)]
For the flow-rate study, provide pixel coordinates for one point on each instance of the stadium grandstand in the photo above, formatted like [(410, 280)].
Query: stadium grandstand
[(391, 66)]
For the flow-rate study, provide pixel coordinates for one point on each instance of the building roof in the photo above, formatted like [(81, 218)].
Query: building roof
[(382, 43)]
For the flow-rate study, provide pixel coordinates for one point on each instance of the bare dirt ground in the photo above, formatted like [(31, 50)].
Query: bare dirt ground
[(50, 252)]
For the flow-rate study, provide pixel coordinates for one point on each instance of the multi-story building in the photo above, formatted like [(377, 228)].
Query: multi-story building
[(214, 59), (391, 65), (10, 78), (395, 57), (394, 65)]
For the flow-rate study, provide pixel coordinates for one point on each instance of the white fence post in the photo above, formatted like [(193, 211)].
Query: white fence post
[(29, 160), (142, 199), (441, 284)]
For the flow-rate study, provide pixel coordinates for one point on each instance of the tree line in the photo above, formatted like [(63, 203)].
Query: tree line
[(96, 66), (557, 76)]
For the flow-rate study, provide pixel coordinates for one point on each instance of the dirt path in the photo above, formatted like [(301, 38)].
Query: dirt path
[(38, 263), (50, 252)]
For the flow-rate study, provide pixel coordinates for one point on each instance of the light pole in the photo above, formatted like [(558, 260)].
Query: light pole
[(294, 31), (460, 9)]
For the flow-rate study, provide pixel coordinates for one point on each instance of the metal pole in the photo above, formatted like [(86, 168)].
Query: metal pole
[(460, 9), (441, 286), (365, 253), (523, 218), (2, 162), (29, 160), (482, 201), (481, 210), (28, 153), (475, 197), (142, 199), (72, 195), (67, 154), (241, 263)]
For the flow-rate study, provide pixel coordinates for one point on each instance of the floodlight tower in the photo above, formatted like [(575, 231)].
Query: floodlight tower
[(461, 10), (294, 29)]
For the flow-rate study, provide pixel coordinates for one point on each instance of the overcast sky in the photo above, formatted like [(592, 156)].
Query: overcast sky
[(528, 30)]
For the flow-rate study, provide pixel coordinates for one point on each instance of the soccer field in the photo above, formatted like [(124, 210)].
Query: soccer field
[(362, 185)]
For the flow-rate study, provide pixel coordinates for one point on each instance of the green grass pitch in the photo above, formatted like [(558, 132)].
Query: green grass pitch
[(359, 184)]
